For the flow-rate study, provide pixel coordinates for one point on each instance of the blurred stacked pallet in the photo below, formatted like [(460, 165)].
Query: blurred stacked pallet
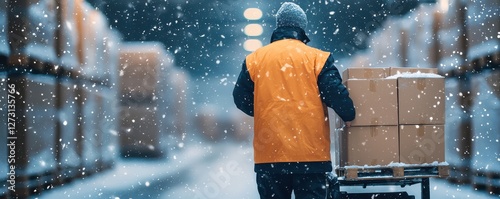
[(459, 38), (61, 66), (141, 105)]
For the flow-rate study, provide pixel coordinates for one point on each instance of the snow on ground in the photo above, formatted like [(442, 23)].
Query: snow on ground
[(134, 178), (204, 171), (228, 175)]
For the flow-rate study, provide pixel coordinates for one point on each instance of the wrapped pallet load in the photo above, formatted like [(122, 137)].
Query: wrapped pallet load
[(452, 38), (485, 127), (483, 27)]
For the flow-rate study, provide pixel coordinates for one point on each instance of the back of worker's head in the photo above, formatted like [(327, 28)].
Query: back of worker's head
[(291, 15)]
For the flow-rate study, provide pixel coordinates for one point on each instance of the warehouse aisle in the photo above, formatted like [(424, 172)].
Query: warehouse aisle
[(223, 171)]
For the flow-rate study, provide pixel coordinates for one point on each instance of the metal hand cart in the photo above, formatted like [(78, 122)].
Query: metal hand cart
[(388, 176)]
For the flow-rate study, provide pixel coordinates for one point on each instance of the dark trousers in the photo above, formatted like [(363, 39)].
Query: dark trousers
[(304, 186)]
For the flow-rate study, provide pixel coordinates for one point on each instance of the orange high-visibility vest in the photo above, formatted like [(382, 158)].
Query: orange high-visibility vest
[(291, 121)]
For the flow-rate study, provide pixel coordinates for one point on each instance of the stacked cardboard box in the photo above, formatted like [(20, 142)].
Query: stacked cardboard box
[(399, 117)]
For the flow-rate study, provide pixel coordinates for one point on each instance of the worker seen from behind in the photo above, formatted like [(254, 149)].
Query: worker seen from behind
[(287, 86)]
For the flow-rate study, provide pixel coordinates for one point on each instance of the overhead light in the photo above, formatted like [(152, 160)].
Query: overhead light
[(252, 45), (253, 29), (252, 13)]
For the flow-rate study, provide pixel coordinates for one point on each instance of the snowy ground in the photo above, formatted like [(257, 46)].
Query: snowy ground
[(222, 171)]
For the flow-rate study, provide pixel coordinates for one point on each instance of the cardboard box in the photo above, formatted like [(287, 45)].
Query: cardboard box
[(374, 145), (375, 101), (364, 73), (400, 70), (421, 144), (421, 100)]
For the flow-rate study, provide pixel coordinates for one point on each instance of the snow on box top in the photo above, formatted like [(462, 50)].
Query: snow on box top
[(397, 164), (414, 75), (391, 72)]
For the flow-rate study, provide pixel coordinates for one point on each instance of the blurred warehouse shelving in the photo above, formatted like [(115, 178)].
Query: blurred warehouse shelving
[(81, 97), (59, 75)]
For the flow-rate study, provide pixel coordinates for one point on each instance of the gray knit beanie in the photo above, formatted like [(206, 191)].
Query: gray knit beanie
[(290, 14)]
